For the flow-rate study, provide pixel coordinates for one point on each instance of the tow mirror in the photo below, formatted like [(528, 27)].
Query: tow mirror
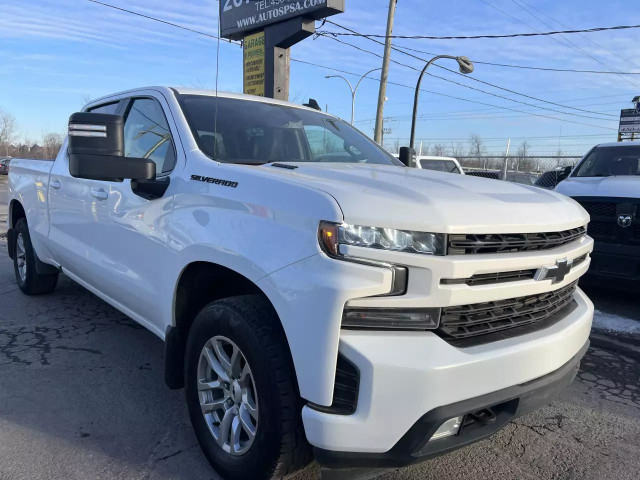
[(96, 150), (407, 156)]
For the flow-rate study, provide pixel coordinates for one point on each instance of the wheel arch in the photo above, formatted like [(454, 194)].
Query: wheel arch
[(200, 283), (16, 212)]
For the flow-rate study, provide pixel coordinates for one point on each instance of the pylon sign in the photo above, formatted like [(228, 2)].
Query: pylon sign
[(237, 17), (254, 63), (269, 28), (629, 121)]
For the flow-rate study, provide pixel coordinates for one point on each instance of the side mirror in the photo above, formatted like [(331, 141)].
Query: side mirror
[(407, 156), (96, 150)]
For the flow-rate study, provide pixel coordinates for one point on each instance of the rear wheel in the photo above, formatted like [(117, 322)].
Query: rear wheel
[(241, 391), (24, 264)]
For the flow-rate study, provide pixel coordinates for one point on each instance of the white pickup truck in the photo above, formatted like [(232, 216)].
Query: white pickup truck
[(311, 291)]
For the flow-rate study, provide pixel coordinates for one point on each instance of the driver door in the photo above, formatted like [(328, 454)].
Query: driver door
[(128, 239)]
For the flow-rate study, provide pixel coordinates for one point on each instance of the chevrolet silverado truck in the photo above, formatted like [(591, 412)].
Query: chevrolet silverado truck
[(315, 296), (606, 183)]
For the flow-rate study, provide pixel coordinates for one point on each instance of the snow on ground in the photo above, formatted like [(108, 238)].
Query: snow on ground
[(616, 323)]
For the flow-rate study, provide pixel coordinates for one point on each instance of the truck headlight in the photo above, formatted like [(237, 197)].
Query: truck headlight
[(333, 235)]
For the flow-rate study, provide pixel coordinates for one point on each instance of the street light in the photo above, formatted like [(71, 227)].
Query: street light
[(466, 67), (353, 90)]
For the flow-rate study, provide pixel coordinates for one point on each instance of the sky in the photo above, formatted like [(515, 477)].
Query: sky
[(55, 54)]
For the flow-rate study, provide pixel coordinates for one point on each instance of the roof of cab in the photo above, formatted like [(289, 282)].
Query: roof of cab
[(619, 144), (434, 157), (197, 91)]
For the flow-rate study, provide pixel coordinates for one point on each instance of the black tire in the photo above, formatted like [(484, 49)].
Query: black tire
[(280, 446), (32, 283)]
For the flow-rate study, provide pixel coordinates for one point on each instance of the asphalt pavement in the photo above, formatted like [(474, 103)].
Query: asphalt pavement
[(82, 396)]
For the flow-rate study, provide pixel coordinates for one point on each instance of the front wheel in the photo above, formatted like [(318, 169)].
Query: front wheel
[(24, 264), (241, 391)]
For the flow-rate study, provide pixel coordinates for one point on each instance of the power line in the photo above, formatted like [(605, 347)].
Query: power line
[(474, 79), (351, 73), (528, 67), (549, 69), (475, 37), (566, 42), (586, 37), (448, 139), (467, 100), (157, 19), (523, 95)]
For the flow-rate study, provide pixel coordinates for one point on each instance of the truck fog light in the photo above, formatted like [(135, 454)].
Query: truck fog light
[(391, 318), (447, 429)]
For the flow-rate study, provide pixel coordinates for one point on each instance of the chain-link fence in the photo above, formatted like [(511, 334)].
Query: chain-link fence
[(540, 171)]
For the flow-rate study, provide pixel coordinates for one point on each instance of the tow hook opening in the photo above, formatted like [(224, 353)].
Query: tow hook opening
[(486, 416), (456, 425)]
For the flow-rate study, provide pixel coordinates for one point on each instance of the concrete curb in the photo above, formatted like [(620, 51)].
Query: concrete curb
[(626, 345)]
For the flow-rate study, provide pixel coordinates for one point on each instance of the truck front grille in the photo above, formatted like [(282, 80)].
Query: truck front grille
[(468, 325), (600, 209), (605, 213), (511, 242), (501, 277)]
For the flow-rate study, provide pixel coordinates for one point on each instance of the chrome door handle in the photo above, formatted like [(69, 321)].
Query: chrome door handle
[(55, 184), (99, 193)]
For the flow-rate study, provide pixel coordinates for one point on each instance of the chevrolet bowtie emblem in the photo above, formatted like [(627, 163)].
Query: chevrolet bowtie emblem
[(557, 273)]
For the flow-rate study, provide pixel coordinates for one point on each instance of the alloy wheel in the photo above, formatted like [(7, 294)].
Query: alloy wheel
[(227, 394), (21, 257)]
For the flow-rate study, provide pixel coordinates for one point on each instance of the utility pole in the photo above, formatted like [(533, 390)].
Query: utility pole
[(385, 72)]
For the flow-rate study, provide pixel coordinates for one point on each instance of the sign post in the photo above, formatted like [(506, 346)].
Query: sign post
[(269, 28)]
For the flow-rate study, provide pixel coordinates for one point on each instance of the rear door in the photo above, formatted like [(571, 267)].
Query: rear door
[(73, 211)]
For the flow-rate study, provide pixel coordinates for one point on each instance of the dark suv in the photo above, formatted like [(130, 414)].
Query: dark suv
[(607, 184), (4, 166)]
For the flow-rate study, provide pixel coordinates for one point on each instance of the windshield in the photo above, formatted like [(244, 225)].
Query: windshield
[(610, 161), (254, 132), (439, 166)]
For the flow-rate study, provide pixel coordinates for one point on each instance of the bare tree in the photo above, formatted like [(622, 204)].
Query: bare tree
[(477, 148), (84, 100), (521, 155), (457, 150), (51, 143), (8, 130), (439, 150)]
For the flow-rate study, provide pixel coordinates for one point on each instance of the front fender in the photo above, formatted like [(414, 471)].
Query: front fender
[(309, 297)]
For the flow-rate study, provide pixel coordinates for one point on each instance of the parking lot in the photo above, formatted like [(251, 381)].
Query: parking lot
[(82, 396)]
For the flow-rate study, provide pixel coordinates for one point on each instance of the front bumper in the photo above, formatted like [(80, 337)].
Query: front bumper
[(505, 405), (406, 375)]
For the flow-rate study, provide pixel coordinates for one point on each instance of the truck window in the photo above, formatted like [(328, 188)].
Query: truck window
[(255, 132), (610, 161), (147, 134), (439, 166)]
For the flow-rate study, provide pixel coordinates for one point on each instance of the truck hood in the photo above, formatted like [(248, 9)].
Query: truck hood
[(425, 200), (620, 186)]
